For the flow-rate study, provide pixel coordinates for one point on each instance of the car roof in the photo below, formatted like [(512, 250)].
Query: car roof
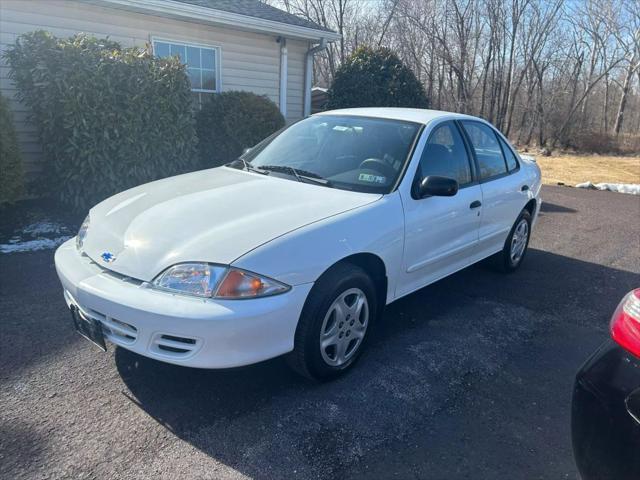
[(417, 115)]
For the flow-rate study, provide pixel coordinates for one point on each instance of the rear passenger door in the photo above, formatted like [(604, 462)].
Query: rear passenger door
[(502, 194)]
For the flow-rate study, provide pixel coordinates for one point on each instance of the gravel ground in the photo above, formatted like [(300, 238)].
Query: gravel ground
[(468, 378)]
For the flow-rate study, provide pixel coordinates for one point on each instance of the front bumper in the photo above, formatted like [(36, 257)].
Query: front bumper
[(178, 329), (605, 415)]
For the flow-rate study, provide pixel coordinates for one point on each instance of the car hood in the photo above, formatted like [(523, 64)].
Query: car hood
[(214, 215)]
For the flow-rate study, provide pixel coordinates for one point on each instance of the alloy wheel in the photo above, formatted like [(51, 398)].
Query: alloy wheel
[(344, 327), (519, 241)]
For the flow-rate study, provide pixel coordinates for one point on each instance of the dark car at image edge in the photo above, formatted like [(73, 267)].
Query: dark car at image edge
[(605, 419)]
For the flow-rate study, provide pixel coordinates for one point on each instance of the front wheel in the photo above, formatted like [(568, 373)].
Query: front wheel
[(334, 324), (515, 247)]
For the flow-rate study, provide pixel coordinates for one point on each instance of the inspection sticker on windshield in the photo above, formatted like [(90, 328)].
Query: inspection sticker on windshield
[(366, 177)]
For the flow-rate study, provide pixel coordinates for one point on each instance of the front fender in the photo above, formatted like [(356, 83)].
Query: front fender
[(302, 255)]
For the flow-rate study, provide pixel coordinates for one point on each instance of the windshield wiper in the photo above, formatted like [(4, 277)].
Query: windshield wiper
[(301, 175), (241, 162)]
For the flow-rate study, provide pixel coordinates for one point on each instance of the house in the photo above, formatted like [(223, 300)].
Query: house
[(226, 44)]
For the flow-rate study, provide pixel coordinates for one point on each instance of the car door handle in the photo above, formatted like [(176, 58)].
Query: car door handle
[(524, 188), (475, 204)]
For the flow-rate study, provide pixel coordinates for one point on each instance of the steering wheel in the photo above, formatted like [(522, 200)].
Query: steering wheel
[(379, 166)]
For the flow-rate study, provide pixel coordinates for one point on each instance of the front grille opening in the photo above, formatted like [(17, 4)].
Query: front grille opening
[(114, 274), (117, 330), (167, 348), (174, 345), (116, 334), (190, 341)]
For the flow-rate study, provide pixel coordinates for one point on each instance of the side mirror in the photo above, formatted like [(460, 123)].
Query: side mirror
[(435, 186)]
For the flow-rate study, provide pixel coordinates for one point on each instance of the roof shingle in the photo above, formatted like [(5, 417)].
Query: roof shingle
[(255, 8)]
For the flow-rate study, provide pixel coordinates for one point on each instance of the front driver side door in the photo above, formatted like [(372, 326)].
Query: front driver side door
[(441, 233)]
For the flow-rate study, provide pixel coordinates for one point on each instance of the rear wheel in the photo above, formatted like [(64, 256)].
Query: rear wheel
[(334, 324), (515, 247)]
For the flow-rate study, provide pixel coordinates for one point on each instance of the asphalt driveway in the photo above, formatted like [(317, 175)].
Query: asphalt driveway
[(468, 378)]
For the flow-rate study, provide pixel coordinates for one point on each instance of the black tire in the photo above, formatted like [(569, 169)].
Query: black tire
[(307, 357), (504, 260)]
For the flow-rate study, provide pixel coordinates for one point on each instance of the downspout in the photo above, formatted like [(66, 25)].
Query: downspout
[(283, 76), (308, 75)]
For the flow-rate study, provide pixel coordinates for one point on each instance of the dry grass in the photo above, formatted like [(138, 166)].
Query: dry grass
[(573, 169)]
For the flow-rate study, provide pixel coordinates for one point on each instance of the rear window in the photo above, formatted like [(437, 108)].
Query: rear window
[(512, 162), (488, 151)]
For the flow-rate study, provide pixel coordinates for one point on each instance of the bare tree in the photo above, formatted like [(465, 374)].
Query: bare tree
[(549, 72), (631, 45)]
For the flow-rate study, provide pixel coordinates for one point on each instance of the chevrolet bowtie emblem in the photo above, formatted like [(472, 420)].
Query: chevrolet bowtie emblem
[(108, 257)]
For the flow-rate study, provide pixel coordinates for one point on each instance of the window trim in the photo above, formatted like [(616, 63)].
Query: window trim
[(470, 158), (475, 157), (218, 59)]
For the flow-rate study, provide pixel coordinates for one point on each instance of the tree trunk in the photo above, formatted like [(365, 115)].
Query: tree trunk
[(623, 99), (605, 107)]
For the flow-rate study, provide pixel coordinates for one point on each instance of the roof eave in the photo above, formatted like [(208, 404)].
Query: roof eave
[(189, 12)]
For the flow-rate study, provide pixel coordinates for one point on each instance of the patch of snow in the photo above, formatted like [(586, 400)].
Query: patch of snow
[(43, 228), (32, 245), (630, 188), (40, 235)]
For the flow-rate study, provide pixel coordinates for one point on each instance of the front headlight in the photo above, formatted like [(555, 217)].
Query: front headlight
[(82, 233), (216, 281)]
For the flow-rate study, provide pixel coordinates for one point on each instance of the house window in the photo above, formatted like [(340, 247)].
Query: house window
[(203, 65)]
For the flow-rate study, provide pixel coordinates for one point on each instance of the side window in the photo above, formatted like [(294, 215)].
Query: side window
[(488, 151), (512, 163), (445, 155)]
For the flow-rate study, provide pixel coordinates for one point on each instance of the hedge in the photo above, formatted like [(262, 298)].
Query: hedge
[(230, 122), (11, 178), (375, 78), (109, 118)]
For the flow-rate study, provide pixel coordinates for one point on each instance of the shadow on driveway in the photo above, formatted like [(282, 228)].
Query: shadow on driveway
[(555, 208), (266, 422)]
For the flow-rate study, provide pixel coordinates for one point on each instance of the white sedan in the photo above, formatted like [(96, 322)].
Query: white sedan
[(296, 247)]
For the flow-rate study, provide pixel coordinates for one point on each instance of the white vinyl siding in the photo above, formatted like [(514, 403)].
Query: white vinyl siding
[(248, 61), (296, 54)]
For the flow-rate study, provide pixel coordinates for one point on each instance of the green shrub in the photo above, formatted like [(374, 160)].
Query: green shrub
[(109, 118), (230, 122), (10, 159), (375, 78)]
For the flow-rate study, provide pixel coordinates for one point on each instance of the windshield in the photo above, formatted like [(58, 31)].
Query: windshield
[(347, 152)]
